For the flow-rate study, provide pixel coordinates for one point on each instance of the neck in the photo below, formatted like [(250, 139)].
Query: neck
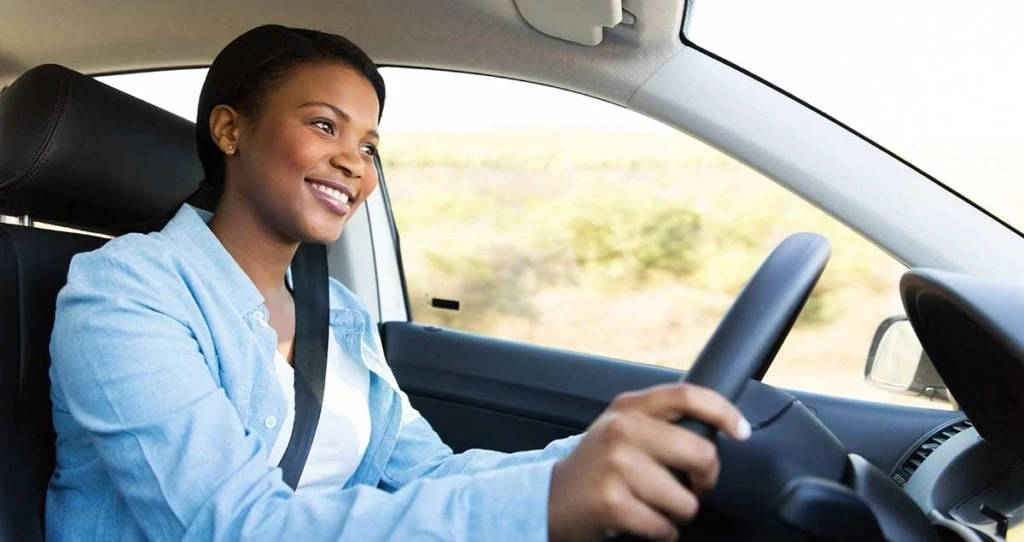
[(261, 253)]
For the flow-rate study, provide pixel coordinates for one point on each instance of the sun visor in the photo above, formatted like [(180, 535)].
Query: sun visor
[(578, 21)]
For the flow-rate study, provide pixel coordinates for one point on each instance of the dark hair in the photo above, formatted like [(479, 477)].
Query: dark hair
[(256, 62)]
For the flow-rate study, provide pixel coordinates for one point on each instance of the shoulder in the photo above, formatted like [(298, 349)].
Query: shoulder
[(156, 260), (146, 258), (127, 275)]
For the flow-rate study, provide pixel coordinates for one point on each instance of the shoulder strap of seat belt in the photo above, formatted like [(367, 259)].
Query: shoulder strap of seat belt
[(312, 317)]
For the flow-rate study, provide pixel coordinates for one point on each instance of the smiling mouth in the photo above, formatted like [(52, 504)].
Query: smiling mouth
[(334, 196), (342, 197)]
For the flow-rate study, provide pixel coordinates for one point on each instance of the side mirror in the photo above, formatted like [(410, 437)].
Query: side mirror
[(897, 362)]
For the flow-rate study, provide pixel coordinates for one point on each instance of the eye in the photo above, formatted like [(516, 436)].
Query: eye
[(368, 149), (325, 125)]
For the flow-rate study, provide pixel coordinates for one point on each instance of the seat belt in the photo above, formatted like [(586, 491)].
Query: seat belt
[(310, 288)]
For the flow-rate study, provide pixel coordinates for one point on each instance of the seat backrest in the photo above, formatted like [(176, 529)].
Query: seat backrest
[(33, 267), (76, 153)]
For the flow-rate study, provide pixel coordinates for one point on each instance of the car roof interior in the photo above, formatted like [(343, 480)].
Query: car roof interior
[(107, 37)]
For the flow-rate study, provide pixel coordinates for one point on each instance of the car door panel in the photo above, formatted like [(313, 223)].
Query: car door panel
[(483, 392), (463, 426)]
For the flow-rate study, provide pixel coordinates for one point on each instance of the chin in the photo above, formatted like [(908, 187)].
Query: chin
[(318, 226), (322, 234)]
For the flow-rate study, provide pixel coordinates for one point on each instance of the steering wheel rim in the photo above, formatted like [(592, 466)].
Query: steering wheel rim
[(818, 482), (842, 485), (746, 340), (748, 337)]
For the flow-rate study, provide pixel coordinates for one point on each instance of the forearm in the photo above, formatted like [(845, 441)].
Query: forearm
[(498, 505), (421, 454)]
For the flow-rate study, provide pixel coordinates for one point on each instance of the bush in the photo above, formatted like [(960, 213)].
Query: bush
[(634, 243)]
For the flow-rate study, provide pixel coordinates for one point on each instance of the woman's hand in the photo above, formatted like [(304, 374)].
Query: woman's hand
[(620, 476)]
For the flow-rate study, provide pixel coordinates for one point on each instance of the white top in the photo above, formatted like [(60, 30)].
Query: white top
[(343, 431)]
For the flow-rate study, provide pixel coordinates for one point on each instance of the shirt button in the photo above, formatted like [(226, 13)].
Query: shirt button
[(260, 317), (270, 422)]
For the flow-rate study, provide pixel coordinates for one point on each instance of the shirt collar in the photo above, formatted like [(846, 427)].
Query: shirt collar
[(188, 230)]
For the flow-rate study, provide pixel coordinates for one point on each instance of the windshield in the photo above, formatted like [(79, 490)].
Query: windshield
[(936, 82)]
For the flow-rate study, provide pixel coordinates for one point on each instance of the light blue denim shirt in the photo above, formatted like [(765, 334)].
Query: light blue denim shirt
[(166, 406)]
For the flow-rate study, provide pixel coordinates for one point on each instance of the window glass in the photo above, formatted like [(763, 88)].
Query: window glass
[(935, 81), (176, 91), (564, 221)]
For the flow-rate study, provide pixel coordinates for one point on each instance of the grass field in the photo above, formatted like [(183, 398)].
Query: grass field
[(629, 245)]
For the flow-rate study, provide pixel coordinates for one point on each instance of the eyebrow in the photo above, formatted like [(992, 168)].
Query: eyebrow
[(339, 112)]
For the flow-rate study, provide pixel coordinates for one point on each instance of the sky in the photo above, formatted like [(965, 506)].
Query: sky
[(937, 81)]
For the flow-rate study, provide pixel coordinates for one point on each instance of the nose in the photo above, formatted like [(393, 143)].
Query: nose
[(347, 160)]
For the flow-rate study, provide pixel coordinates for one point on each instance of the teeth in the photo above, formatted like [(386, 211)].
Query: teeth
[(333, 192)]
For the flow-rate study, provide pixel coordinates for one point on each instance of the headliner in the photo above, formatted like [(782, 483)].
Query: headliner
[(479, 36)]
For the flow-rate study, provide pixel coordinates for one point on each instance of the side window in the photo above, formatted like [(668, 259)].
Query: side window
[(563, 221)]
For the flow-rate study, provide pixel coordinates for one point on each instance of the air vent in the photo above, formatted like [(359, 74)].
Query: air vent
[(925, 449)]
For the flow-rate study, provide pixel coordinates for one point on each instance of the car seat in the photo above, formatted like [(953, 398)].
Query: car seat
[(79, 154)]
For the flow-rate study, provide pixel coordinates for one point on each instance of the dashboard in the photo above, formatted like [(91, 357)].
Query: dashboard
[(971, 470)]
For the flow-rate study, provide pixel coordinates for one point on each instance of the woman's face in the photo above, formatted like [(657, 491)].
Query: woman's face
[(306, 163)]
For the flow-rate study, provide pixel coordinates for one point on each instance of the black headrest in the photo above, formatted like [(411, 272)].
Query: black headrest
[(76, 152)]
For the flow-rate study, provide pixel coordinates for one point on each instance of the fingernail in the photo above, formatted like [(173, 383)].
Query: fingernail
[(743, 429)]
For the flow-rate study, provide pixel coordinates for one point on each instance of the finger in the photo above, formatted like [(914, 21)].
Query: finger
[(671, 402), (677, 449), (657, 487), (631, 515)]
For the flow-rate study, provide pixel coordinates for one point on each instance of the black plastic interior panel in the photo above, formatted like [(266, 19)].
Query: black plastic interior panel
[(463, 427), (877, 432), (463, 382), (972, 329), (966, 472), (897, 514)]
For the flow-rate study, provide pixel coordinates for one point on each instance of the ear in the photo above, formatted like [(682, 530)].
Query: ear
[(225, 128)]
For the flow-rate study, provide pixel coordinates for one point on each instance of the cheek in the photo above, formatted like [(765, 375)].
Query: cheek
[(297, 155), (284, 157), (370, 182)]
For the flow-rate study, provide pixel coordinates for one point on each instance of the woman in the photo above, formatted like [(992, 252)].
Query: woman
[(172, 360)]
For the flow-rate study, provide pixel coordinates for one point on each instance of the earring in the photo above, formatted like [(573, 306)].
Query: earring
[(230, 151)]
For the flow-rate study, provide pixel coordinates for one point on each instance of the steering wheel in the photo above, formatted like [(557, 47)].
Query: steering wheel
[(748, 337), (793, 479)]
